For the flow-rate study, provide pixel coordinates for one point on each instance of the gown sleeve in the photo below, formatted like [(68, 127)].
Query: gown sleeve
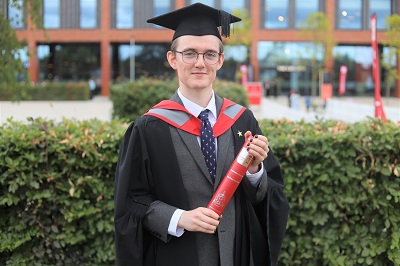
[(276, 207), (131, 198), (273, 211)]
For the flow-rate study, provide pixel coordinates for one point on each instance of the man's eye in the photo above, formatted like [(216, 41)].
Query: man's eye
[(189, 54), (211, 55)]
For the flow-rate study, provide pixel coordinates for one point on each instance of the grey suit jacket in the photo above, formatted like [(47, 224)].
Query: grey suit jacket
[(199, 187)]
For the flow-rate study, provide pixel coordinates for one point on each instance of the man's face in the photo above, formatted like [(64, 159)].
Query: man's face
[(198, 75)]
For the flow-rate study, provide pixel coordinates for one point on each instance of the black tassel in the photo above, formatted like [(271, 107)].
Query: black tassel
[(225, 21)]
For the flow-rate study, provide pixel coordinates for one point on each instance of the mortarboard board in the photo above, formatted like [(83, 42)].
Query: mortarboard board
[(197, 19)]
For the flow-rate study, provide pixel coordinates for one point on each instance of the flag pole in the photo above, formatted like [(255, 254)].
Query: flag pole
[(379, 112)]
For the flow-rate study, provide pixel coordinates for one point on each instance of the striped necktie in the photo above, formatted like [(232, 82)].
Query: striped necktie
[(207, 141)]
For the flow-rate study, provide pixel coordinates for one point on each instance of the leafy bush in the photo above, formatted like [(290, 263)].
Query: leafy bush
[(13, 93), (342, 182), (56, 187), (132, 99), (60, 91), (51, 91)]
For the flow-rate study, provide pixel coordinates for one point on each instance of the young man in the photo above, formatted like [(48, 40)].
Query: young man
[(164, 181)]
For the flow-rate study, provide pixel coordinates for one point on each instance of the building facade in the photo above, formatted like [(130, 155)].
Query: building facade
[(110, 41)]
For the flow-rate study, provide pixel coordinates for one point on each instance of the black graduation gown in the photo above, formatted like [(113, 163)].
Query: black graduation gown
[(141, 177)]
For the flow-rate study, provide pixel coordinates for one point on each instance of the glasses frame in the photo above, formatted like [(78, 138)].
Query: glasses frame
[(197, 58)]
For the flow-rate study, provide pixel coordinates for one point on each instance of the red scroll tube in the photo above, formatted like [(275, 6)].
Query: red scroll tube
[(231, 180)]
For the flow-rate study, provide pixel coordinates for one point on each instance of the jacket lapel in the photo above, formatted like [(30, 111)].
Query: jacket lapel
[(193, 146), (225, 148)]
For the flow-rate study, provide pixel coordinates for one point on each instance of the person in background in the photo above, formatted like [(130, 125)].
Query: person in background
[(173, 158), (92, 87)]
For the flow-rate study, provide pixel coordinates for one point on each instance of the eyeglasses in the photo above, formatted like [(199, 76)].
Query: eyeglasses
[(190, 57)]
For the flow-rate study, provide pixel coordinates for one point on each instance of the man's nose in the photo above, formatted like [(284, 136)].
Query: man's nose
[(200, 60)]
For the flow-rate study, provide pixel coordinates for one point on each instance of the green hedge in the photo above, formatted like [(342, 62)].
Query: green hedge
[(56, 194), (342, 182), (47, 91), (343, 185), (132, 99), (16, 93)]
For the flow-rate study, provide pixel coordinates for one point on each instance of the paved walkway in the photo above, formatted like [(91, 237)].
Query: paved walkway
[(348, 110), (343, 109), (99, 108)]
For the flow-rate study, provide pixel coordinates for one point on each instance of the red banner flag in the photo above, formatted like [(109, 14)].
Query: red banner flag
[(379, 112), (342, 80)]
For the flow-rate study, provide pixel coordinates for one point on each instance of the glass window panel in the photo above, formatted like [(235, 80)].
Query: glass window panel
[(285, 52), (231, 5), (149, 59), (388, 81), (382, 8), (161, 7), (303, 9), (15, 14), (235, 55), (51, 14), (23, 55), (206, 2), (350, 14), (88, 14), (287, 65), (276, 14), (69, 62), (125, 14), (358, 60)]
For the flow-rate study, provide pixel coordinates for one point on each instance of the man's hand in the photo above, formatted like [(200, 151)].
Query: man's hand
[(258, 147), (199, 220)]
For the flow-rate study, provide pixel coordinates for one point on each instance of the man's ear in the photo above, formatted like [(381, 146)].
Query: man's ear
[(220, 61), (171, 59)]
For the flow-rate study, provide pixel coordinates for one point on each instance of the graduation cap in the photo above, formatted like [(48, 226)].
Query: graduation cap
[(197, 19)]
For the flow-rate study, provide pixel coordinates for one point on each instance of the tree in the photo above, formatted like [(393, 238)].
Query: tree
[(393, 43), (317, 29), (242, 31), (241, 35), (12, 69)]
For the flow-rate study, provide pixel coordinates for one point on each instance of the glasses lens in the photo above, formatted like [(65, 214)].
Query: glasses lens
[(189, 57), (211, 57)]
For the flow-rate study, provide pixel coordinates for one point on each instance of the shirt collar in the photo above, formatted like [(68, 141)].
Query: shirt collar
[(196, 109)]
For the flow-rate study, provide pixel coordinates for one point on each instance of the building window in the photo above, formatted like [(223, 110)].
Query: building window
[(350, 15), (69, 62), (125, 14), (15, 14), (149, 61), (287, 65), (235, 55), (51, 14), (382, 8), (358, 60), (161, 7), (276, 14), (231, 5), (206, 2), (304, 9), (88, 16)]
